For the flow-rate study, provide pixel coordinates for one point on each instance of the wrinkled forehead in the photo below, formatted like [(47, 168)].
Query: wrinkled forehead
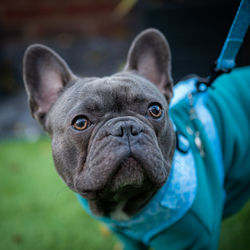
[(123, 86), (120, 89)]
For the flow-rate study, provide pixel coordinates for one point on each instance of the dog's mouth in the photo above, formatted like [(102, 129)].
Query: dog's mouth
[(129, 184), (129, 174)]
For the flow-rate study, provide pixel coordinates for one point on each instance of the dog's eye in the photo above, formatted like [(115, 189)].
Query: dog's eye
[(80, 123), (155, 111)]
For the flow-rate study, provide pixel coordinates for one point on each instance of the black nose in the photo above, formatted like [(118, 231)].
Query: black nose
[(122, 128)]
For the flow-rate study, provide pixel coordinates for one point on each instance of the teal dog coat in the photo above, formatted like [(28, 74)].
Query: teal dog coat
[(210, 174)]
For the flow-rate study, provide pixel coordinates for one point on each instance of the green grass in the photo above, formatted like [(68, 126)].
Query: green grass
[(38, 211)]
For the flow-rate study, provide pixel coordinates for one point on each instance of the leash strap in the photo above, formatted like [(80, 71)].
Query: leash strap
[(226, 60)]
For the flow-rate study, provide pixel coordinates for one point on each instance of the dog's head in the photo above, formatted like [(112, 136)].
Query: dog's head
[(112, 138)]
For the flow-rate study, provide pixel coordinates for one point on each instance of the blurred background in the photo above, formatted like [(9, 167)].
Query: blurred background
[(93, 36)]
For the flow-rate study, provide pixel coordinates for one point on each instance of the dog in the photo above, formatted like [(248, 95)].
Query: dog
[(160, 171)]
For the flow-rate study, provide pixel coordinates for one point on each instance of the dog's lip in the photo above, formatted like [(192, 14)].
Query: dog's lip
[(95, 191), (96, 194), (129, 175), (127, 162)]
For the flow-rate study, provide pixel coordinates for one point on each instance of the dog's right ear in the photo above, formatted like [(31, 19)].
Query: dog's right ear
[(150, 56), (45, 73)]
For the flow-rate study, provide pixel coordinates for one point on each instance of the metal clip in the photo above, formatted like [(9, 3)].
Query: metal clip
[(198, 143)]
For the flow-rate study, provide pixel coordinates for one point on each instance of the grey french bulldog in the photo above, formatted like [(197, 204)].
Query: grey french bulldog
[(113, 142), (112, 138)]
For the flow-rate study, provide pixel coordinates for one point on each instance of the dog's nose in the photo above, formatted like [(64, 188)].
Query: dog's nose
[(122, 128)]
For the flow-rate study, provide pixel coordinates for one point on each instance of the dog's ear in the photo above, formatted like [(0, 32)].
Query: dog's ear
[(150, 56), (45, 73)]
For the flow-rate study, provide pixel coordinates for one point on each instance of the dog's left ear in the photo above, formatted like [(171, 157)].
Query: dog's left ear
[(150, 56)]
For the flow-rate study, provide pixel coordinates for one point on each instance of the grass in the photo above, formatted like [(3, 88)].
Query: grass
[(38, 211)]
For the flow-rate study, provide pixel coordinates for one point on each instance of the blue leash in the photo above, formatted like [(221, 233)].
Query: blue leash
[(235, 37), (226, 60)]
